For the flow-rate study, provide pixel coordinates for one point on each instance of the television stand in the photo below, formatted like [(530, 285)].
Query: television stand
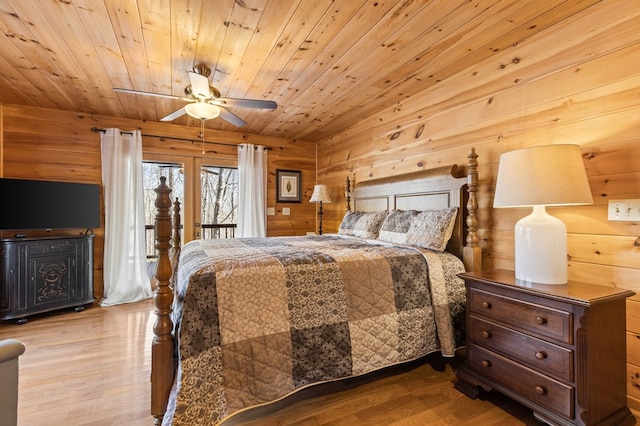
[(40, 275)]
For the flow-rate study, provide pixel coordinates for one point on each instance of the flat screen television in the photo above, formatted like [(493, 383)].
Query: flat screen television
[(38, 204)]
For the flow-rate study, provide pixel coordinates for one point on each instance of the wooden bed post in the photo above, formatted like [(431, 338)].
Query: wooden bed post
[(162, 346), (347, 193), (176, 243), (472, 253)]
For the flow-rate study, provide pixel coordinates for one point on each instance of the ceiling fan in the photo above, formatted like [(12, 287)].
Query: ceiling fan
[(204, 101)]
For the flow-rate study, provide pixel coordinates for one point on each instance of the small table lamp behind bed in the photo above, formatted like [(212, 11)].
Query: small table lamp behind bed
[(320, 195)]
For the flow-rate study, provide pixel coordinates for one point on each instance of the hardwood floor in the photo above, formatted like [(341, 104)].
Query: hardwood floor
[(92, 368)]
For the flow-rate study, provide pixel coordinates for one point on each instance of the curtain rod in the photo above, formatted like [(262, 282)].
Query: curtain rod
[(162, 138)]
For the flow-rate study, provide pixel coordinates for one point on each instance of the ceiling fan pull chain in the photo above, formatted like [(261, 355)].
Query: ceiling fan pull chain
[(202, 134)]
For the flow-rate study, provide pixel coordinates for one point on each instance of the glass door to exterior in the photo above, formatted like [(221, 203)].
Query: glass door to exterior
[(218, 201)]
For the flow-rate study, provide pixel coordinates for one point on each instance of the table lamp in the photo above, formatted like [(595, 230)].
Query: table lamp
[(320, 195), (550, 175)]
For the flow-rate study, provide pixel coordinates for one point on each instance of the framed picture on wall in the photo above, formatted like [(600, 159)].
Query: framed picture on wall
[(288, 186)]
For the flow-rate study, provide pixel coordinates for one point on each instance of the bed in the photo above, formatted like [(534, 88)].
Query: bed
[(244, 322)]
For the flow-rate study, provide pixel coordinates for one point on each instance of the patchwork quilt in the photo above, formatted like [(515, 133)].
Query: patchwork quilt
[(258, 319)]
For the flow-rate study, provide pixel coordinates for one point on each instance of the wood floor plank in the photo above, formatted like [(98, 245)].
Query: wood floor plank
[(92, 368)]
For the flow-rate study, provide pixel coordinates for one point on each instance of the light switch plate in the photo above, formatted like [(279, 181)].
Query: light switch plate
[(286, 211), (271, 211), (624, 210)]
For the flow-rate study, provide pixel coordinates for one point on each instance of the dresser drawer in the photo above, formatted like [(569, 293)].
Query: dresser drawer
[(544, 391), (539, 320), (545, 357)]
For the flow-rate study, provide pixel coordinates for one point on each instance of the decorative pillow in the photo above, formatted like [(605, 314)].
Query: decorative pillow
[(432, 229), (361, 224), (395, 227), (369, 224), (349, 222)]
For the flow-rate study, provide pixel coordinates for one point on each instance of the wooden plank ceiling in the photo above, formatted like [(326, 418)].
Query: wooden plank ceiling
[(327, 63)]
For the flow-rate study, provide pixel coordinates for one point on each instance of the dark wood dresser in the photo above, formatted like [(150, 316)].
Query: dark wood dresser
[(558, 349), (43, 274)]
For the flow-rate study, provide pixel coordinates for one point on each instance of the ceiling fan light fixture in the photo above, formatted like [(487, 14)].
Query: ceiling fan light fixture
[(202, 110)]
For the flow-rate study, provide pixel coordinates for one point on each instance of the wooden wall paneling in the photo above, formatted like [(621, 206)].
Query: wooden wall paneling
[(607, 275), (633, 348), (613, 250), (616, 186), (633, 383)]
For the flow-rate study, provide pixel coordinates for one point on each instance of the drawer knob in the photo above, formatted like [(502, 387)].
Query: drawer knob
[(541, 355), (486, 305), (541, 321), (540, 390), (486, 334), (486, 363)]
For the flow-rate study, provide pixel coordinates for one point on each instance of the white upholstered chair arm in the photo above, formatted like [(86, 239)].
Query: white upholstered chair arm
[(10, 349)]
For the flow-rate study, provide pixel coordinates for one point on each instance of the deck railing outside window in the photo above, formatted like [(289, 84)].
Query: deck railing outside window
[(209, 231)]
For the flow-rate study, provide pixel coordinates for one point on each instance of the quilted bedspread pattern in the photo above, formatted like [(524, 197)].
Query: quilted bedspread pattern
[(260, 318)]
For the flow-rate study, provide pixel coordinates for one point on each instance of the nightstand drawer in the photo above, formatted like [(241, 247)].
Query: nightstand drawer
[(538, 354), (544, 391), (540, 320)]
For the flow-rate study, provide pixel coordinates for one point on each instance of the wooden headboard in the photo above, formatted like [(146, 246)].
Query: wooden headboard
[(450, 186)]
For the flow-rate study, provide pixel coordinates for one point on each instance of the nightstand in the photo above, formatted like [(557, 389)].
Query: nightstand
[(558, 349)]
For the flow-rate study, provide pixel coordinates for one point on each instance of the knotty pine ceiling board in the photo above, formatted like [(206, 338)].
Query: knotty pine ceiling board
[(328, 63)]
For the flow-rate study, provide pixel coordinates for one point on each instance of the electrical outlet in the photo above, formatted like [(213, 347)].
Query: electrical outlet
[(624, 210)]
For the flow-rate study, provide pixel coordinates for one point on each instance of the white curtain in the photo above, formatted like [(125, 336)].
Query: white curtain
[(125, 264), (252, 191)]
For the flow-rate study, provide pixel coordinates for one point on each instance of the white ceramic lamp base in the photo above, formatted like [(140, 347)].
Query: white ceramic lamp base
[(541, 248)]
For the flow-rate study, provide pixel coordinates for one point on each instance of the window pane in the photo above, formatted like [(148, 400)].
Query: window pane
[(219, 201)]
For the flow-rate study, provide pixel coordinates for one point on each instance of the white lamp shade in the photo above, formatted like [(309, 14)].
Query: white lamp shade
[(552, 175), (202, 110), (320, 194)]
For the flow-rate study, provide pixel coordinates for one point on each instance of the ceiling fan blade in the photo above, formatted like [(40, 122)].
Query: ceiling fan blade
[(175, 114), (247, 103), (199, 85), (231, 118), (138, 92)]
